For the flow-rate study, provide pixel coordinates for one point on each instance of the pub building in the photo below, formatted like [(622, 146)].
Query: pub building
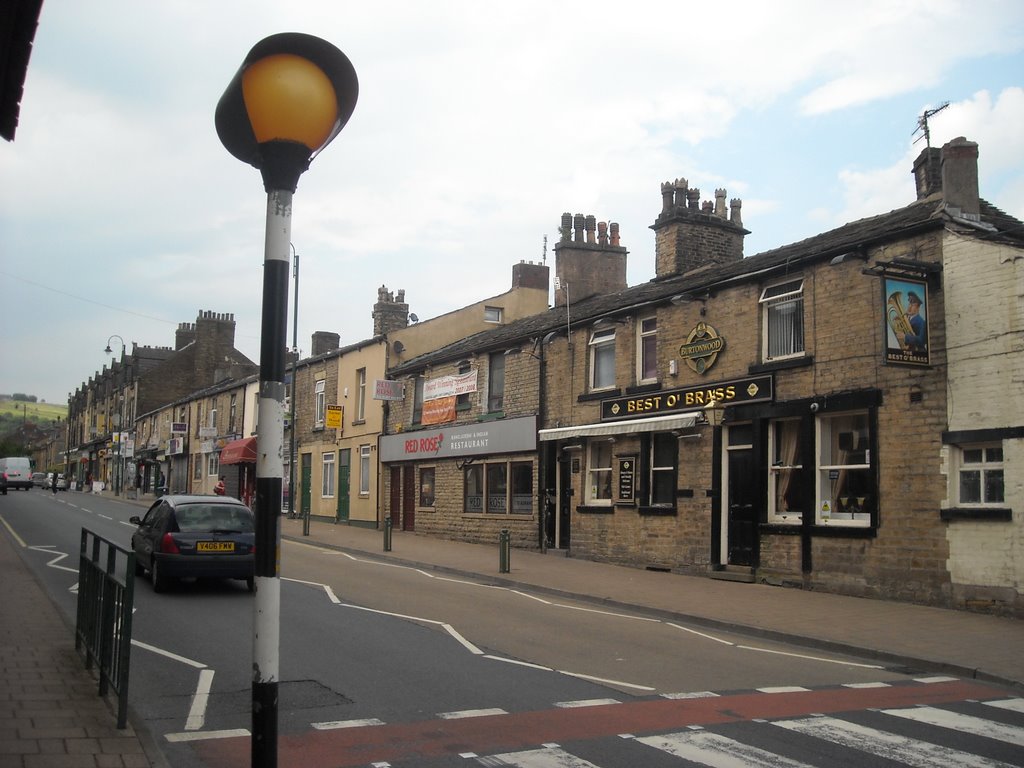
[(787, 418)]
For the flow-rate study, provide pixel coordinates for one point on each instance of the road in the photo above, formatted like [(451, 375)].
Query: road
[(389, 665)]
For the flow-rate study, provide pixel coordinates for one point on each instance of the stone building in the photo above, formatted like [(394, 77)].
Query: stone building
[(840, 414)]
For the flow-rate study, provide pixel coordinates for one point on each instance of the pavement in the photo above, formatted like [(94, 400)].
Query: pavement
[(52, 717)]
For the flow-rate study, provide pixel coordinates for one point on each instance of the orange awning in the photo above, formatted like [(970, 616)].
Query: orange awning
[(239, 452)]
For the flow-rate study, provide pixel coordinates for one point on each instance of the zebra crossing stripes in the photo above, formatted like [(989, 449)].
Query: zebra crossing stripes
[(699, 746)]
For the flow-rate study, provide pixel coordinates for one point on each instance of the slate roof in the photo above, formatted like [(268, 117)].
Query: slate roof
[(920, 216), (18, 22)]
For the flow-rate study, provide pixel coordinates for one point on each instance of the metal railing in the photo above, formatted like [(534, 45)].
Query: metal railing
[(103, 626)]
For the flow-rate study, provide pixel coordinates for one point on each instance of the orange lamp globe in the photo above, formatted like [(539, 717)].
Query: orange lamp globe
[(289, 98)]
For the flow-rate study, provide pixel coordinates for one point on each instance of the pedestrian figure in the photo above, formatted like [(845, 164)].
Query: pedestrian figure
[(219, 487)]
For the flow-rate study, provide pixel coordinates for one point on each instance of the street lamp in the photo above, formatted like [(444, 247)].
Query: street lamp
[(289, 99), (117, 422), (295, 367)]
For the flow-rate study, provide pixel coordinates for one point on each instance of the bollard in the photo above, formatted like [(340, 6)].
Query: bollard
[(504, 551), (387, 534)]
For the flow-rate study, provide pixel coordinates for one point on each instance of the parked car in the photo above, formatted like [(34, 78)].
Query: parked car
[(62, 483), (15, 472), (40, 479), (201, 537)]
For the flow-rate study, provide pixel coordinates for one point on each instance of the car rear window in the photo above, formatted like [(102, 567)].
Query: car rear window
[(198, 518)]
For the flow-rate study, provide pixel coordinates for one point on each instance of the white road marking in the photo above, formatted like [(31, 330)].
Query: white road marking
[(691, 695), (200, 700), (712, 749), (815, 658), (335, 724), (867, 685), (465, 643), (586, 703), (783, 689), (203, 735), (519, 663), (620, 683), (1014, 705), (913, 752), (699, 634), (168, 654), (467, 713), (48, 549), (547, 757), (977, 726)]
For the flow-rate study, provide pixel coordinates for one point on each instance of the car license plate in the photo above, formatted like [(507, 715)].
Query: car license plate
[(215, 546)]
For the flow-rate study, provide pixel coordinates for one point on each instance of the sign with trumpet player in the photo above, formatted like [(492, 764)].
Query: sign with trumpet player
[(906, 326)]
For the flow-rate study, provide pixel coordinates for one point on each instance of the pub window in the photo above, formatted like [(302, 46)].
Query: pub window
[(783, 320), (327, 480), (427, 487), (496, 383), (232, 413), (602, 358), (980, 475), (647, 350), (599, 473), (321, 402), (785, 474), (663, 473), (846, 492)]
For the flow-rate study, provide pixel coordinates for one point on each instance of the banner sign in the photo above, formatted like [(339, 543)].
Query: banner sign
[(385, 389), (438, 411), (449, 386)]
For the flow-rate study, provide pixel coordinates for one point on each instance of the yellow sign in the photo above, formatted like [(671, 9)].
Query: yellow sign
[(335, 414)]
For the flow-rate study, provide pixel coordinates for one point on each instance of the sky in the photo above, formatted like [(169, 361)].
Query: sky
[(477, 126)]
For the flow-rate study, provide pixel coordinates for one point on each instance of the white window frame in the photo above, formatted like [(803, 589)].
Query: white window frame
[(988, 463), (320, 395), (493, 314), (646, 333), (327, 477), (364, 470), (602, 351), (784, 468), (777, 302), (361, 395), (599, 473), (212, 464), (838, 515)]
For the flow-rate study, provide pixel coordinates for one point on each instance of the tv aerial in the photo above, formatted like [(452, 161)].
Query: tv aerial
[(922, 123)]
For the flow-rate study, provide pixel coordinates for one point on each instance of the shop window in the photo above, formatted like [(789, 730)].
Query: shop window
[(499, 488), (327, 477), (846, 492), (427, 487), (496, 383), (783, 320), (647, 350), (785, 473), (364, 470), (602, 358), (321, 403), (599, 473), (980, 475)]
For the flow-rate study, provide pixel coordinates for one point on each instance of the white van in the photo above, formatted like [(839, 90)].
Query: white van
[(15, 472)]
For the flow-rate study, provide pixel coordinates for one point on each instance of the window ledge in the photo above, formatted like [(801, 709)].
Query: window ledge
[(657, 511), (995, 514), (587, 509), (781, 528), (832, 530), (781, 365)]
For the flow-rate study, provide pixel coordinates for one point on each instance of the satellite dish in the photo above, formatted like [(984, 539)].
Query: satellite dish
[(412, 316), (399, 347)]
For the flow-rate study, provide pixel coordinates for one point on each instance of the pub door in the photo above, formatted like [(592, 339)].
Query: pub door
[(741, 528), (408, 498)]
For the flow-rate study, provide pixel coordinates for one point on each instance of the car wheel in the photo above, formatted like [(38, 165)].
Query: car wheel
[(250, 583), (160, 582)]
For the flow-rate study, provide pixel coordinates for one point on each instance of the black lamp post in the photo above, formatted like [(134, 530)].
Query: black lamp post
[(714, 413), (289, 99)]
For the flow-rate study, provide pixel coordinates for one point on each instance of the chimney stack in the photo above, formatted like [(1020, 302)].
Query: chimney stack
[(689, 235), (390, 313), (587, 259), (324, 341), (960, 178)]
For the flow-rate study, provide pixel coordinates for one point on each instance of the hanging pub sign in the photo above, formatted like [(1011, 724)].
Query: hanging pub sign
[(906, 321)]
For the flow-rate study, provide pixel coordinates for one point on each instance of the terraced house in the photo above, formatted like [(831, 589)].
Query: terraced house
[(843, 413)]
